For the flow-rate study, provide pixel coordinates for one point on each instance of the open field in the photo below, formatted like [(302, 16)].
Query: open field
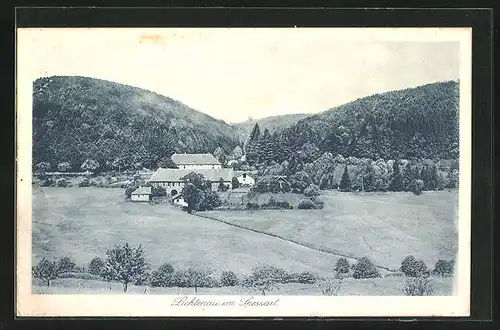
[(83, 222), (385, 227), (374, 287)]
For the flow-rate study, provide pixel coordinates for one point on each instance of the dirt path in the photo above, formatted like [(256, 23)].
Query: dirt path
[(335, 253)]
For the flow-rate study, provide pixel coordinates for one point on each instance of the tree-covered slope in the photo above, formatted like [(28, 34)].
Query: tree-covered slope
[(273, 124), (79, 118), (421, 122)]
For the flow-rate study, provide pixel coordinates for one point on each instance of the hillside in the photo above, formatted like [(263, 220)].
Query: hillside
[(273, 124), (75, 118), (419, 122)]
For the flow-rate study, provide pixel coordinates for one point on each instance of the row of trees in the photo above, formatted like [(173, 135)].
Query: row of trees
[(128, 265), (329, 172)]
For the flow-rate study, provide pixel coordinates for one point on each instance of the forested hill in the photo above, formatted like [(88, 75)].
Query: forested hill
[(421, 122), (273, 124), (79, 118)]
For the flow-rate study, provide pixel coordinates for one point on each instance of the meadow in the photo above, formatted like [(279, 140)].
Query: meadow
[(83, 222), (385, 227)]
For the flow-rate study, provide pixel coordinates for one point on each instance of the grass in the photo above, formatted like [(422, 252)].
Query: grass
[(385, 227), (83, 222), (388, 286)]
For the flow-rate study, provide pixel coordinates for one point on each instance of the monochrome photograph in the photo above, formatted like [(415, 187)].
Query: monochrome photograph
[(255, 171)]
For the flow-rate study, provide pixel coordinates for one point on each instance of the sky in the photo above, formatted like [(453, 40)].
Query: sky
[(234, 74)]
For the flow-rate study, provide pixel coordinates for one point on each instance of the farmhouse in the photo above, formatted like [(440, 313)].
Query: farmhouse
[(244, 178), (171, 179), (141, 194), (196, 161)]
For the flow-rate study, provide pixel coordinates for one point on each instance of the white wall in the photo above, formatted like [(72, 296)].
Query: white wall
[(139, 198), (248, 180)]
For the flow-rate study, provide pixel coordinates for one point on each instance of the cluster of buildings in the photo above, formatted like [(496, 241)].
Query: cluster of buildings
[(172, 178)]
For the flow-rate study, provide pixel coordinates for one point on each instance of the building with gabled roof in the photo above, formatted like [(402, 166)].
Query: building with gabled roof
[(196, 161), (141, 194), (171, 178)]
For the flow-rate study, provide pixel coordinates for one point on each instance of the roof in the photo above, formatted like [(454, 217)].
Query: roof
[(142, 191), (177, 196), (175, 175), (194, 159)]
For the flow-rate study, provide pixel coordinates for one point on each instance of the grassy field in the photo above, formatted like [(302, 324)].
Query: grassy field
[(389, 286), (84, 222), (385, 227)]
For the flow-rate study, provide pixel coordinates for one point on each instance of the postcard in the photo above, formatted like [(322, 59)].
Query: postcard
[(243, 171)]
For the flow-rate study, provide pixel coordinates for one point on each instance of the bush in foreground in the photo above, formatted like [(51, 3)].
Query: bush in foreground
[(444, 268), (412, 267), (47, 270), (342, 266), (194, 278), (306, 204), (365, 268), (265, 278), (312, 190), (418, 286), (228, 278), (96, 266), (126, 265), (163, 276), (307, 278), (330, 288)]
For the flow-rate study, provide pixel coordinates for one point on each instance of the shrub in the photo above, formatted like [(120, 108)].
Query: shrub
[(418, 286), (126, 265), (444, 268), (158, 191), (209, 200), (228, 278), (274, 204), (84, 183), (264, 278), (62, 183), (194, 278), (63, 167), (330, 288), (49, 182), (306, 204), (307, 278), (416, 186), (163, 276), (342, 266), (235, 183), (365, 268), (318, 203), (412, 267), (49, 270), (96, 266), (312, 190), (252, 206)]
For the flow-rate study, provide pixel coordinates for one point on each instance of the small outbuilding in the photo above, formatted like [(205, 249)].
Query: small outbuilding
[(141, 194), (179, 200), (244, 178)]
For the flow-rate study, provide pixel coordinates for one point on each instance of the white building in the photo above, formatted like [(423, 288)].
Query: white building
[(141, 194), (244, 178), (171, 178), (196, 161), (179, 200)]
